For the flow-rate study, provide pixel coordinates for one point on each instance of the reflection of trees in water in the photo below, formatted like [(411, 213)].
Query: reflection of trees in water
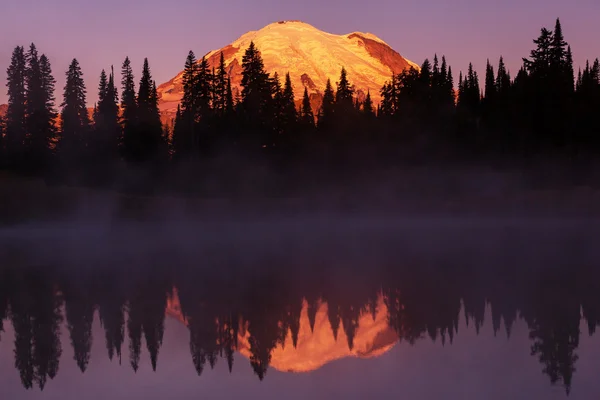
[(219, 308), (36, 318)]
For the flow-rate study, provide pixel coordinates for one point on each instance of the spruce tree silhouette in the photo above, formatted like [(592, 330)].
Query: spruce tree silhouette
[(36, 105), (367, 109), (75, 121), (107, 127), (129, 112), (220, 87), (256, 101), (79, 309), (326, 113), (16, 120), (307, 117), (148, 137), (184, 130)]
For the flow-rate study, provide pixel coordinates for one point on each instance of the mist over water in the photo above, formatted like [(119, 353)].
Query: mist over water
[(175, 277)]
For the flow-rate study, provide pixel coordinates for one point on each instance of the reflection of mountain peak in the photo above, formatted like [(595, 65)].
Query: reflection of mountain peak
[(373, 337)]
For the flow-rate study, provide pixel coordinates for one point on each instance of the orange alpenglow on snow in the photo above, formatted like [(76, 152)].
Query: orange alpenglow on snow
[(317, 347), (310, 55)]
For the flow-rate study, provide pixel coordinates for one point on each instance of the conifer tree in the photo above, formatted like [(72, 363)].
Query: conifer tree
[(367, 110), (307, 117), (502, 79), (229, 105), (256, 85), (183, 131), (110, 113), (149, 128), (16, 121), (490, 84), (344, 94), (203, 90), (129, 112), (43, 130), (75, 122), (220, 85), (449, 88), (288, 108), (34, 98), (327, 107), (389, 95)]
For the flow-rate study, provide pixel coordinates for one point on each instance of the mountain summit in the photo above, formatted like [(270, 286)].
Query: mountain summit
[(310, 55)]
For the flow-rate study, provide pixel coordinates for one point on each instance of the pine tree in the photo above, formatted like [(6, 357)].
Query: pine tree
[(34, 98), (229, 105), (220, 85), (288, 107), (129, 112), (307, 117), (327, 107), (367, 110), (184, 129), (449, 89), (110, 112), (461, 92), (16, 122), (256, 85), (149, 128), (75, 122), (203, 90), (539, 63), (490, 84), (558, 48), (106, 118), (43, 131), (344, 94), (502, 80)]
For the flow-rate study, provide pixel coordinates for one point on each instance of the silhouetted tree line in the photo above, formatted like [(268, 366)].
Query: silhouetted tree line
[(215, 137), (220, 305)]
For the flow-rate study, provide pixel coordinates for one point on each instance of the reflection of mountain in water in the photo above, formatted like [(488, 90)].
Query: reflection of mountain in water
[(313, 344), (301, 317)]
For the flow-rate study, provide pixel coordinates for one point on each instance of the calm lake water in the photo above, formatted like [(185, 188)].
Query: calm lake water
[(301, 309)]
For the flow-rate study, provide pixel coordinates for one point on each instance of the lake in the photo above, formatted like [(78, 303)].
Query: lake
[(312, 306)]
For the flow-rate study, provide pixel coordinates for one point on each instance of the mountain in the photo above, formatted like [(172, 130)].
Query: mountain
[(310, 55), (317, 347)]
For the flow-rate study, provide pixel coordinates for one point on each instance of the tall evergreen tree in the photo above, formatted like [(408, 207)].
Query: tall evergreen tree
[(256, 85), (257, 101), (75, 122), (149, 128), (229, 104), (502, 79), (107, 129), (41, 145), (183, 132), (220, 87), (344, 94), (288, 107), (490, 84), (203, 90), (327, 106), (307, 117), (367, 110), (16, 121), (34, 99), (129, 110)]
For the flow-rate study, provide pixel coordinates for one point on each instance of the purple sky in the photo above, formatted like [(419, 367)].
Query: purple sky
[(101, 33)]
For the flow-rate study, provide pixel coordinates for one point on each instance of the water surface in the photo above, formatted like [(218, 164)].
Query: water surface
[(301, 308)]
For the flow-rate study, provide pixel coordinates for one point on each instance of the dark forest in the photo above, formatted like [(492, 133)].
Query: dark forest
[(219, 143)]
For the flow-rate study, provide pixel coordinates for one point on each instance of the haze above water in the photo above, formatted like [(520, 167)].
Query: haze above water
[(306, 306)]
